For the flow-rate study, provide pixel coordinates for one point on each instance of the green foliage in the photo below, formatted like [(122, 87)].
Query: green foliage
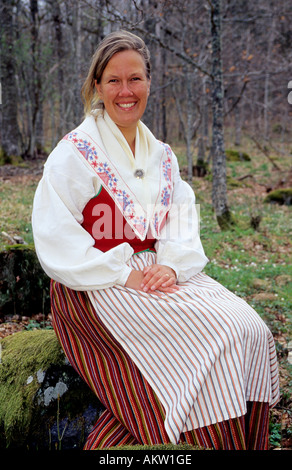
[(275, 434), (33, 324)]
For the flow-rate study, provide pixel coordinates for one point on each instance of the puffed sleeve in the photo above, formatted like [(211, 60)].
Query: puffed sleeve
[(65, 249), (180, 245)]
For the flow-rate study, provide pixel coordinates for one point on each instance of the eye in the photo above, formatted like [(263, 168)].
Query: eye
[(113, 80), (135, 79)]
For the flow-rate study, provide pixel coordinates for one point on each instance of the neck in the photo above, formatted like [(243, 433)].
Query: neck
[(130, 136)]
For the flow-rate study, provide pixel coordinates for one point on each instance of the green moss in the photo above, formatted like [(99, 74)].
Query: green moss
[(226, 221), (280, 196), (10, 159), (237, 156), (234, 183), (32, 351), (18, 247)]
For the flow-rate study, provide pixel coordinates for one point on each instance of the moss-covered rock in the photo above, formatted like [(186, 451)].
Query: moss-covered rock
[(24, 287), (236, 156), (226, 220), (44, 403), (9, 159), (280, 196)]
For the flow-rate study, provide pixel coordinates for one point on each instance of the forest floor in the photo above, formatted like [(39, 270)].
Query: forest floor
[(253, 259)]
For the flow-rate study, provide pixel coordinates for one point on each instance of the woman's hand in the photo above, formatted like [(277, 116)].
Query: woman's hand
[(159, 277), (155, 277), (135, 280)]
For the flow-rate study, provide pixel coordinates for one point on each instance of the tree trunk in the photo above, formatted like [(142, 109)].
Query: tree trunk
[(158, 65), (205, 114), (267, 107), (36, 115), (59, 49), (189, 125), (77, 108), (164, 99), (186, 121), (10, 134), (219, 188)]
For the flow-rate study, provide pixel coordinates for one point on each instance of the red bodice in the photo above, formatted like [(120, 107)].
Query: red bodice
[(105, 223)]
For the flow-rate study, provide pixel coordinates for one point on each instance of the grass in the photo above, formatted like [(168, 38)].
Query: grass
[(255, 264), (15, 208)]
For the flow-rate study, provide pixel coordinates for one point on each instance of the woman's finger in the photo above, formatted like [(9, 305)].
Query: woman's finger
[(157, 277), (168, 280), (152, 280)]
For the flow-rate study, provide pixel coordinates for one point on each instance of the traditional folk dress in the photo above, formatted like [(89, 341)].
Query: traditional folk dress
[(198, 365)]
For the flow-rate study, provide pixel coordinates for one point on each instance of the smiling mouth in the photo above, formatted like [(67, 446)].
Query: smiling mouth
[(126, 105)]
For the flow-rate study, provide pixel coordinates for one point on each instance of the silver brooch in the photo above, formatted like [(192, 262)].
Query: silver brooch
[(139, 174)]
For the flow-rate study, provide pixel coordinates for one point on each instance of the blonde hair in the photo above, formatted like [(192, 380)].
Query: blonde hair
[(117, 41)]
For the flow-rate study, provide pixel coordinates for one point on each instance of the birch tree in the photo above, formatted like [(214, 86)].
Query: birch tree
[(35, 91), (219, 188)]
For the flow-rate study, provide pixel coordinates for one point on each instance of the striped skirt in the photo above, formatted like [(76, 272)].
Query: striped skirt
[(197, 366)]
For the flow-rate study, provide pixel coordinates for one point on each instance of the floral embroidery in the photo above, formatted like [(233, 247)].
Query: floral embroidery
[(125, 201), (165, 196), (166, 165), (156, 222), (160, 215), (84, 147), (166, 169), (140, 223)]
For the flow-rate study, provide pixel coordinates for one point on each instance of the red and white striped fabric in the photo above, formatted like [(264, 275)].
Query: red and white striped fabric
[(204, 350)]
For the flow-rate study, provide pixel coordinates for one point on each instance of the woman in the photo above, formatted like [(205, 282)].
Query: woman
[(172, 355)]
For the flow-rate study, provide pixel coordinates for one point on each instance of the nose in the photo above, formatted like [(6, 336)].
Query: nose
[(125, 89)]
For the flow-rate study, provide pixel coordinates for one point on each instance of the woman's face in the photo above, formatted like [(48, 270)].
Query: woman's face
[(124, 89)]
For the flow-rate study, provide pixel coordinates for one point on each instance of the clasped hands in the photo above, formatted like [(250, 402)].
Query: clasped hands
[(154, 277)]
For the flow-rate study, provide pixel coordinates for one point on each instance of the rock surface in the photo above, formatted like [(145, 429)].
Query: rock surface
[(44, 404), (24, 287)]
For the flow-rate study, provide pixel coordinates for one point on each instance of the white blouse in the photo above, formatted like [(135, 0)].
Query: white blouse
[(96, 154)]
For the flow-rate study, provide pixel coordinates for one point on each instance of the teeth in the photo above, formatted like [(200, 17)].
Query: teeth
[(126, 105)]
